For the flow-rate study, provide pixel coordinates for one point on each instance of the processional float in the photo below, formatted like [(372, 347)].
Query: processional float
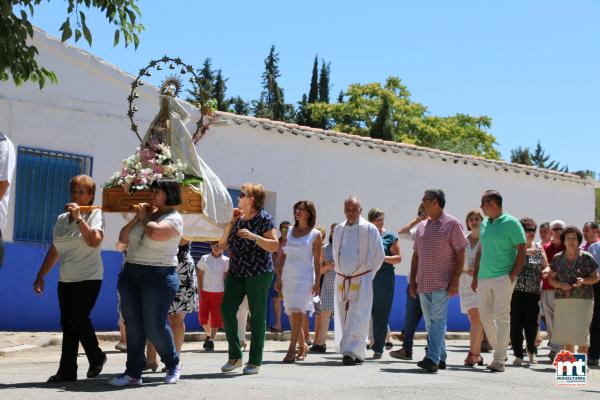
[(168, 151)]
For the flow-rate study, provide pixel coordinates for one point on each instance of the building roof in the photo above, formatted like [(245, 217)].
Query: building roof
[(396, 147)]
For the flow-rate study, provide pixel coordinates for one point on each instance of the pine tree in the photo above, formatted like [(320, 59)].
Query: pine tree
[(238, 106), (324, 82), (541, 160), (313, 93), (272, 103), (206, 75), (521, 155), (303, 114), (340, 98), (383, 128), (219, 90)]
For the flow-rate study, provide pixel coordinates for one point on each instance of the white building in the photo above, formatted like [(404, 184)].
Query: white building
[(84, 114)]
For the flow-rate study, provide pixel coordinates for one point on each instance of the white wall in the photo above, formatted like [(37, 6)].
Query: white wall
[(85, 113), (296, 167)]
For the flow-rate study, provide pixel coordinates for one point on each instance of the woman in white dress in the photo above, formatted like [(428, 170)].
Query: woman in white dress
[(299, 274), (469, 301)]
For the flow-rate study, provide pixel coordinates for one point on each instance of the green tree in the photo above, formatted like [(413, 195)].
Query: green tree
[(324, 82), (207, 77), (383, 128), (303, 114), (411, 122), (219, 89), (272, 103), (540, 159), (521, 155), (340, 98), (238, 106), (313, 93), (19, 59)]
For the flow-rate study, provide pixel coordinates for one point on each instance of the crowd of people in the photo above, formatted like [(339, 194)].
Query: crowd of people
[(506, 281)]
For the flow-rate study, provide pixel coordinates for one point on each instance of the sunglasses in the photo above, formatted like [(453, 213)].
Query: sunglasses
[(530, 230), (557, 229), (243, 195)]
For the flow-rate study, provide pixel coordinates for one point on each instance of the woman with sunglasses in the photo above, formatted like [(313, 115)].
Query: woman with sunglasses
[(524, 305), (250, 238)]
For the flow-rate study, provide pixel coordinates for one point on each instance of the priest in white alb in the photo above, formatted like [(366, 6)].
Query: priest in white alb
[(358, 253)]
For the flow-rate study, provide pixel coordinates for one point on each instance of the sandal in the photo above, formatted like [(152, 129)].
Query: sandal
[(302, 353), (289, 359), (469, 360), (60, 378)]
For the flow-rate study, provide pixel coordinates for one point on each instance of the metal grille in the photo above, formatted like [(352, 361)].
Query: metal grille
[(42, 190)]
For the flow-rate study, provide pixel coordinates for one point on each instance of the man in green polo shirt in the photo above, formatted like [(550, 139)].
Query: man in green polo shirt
[(498, 262)]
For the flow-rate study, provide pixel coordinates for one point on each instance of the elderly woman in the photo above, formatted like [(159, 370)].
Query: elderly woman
[(149, 281), (251, 237), (383, 282), (524, 305), (469, 301), (76, 242), (574, 271), (299, 274)]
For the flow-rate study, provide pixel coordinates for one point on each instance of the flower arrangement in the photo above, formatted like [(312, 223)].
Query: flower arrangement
[(150, 162)]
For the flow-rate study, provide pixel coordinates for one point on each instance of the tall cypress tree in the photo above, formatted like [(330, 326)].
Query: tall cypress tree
[(340, 98), (313, 93), (383, 128), (324, 82), (219, 90)]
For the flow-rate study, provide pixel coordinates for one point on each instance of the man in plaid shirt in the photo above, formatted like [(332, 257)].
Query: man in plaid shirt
[(437, 262)]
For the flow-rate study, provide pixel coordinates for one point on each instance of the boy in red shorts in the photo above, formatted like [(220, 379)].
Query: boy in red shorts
[(211, 271)]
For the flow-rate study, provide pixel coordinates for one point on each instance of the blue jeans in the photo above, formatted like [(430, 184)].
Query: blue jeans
[(146, 294), (412, 317), (435, 312)]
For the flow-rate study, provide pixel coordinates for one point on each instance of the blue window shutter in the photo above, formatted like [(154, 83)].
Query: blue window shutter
[(42, 190)]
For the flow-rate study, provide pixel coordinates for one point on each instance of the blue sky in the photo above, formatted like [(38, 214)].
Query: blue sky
[(533, 66)]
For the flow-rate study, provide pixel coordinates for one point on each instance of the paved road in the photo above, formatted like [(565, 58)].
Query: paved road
[(22, 376)]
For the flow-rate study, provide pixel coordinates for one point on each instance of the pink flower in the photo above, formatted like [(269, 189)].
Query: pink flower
[(158, 169), (147, 154)]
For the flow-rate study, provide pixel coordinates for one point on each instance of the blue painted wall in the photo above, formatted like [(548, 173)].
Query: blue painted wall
[(22, 310)]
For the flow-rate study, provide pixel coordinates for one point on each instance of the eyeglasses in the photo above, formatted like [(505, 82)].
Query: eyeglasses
[(530, 230), (557, 229), (484, 202)]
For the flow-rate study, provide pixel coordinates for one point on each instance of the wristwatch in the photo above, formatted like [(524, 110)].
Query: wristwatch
[(79, 221)]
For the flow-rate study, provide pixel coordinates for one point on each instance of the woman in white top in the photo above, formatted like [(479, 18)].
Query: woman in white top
[(76, 242), (469, 300), (148, 282), (299, 274)]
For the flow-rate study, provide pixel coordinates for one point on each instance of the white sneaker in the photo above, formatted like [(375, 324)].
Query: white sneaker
[(173, 375), (125, 380), (250, 369), (532, 360), (231, 365), (518, 361)]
